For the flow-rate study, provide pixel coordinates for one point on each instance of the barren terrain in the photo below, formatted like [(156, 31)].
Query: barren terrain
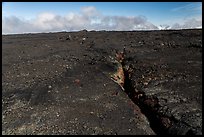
[(102, 82)]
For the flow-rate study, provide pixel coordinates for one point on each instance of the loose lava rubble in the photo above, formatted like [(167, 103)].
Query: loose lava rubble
[(102, 83)]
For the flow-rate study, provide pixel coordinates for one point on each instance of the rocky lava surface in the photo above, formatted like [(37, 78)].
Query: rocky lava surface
[(89, 82)]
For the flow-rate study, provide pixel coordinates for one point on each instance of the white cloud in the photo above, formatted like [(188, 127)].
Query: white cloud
[(90, 11), (188, 24), (127, 23), (88, 18), (15, 25), (193, 18)]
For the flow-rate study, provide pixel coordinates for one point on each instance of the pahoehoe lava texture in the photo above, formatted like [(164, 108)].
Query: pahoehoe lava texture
[(89, 82)]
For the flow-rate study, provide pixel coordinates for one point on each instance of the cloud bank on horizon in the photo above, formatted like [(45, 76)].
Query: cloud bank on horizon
[(88, 18)]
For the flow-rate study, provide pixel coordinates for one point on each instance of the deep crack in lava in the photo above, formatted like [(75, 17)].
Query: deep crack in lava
[(148, 105)]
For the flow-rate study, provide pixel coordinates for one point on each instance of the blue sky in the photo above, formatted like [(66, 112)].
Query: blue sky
[(157, 13)]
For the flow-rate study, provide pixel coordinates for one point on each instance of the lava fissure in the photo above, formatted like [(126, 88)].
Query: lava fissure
[(148, 105)]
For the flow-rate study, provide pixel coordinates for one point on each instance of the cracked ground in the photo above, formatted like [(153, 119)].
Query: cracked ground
[(102, 83)]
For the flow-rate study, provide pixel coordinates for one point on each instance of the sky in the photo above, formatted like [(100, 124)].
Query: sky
[(32, 17)]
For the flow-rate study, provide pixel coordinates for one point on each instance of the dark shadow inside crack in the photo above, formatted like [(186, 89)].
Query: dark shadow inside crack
[(148, 106)]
